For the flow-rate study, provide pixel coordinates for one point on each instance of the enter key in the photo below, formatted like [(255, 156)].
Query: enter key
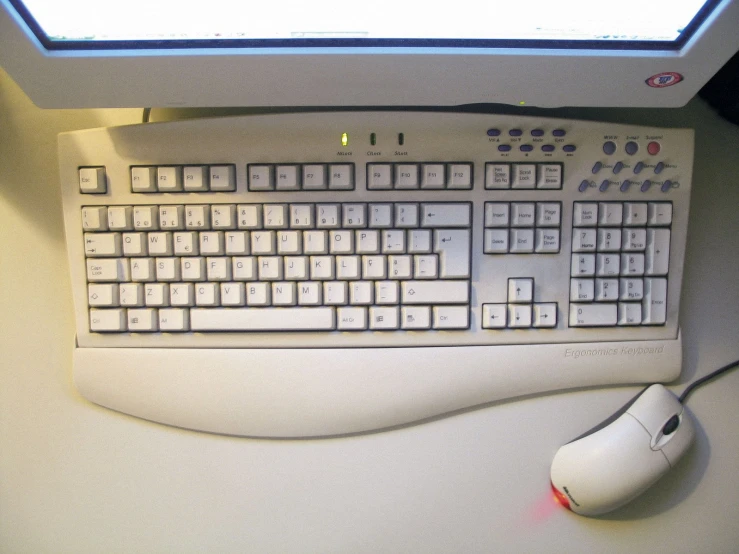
[(453, 248)]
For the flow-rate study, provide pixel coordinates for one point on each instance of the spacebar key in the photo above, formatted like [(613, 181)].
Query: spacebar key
[(262, 319)]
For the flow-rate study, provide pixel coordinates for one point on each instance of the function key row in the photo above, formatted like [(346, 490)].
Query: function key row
[(292, 177), (275, 216), (188, 178), (523, 176), (404, 176)]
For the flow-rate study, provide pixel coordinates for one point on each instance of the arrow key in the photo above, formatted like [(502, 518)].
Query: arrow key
[(545, 315), (519, 316), (521, 290), (494, 316)]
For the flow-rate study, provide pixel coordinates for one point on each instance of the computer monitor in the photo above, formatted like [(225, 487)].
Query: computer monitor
[(84, 53)]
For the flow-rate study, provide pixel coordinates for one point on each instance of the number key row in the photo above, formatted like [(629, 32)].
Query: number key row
[(275, 216)]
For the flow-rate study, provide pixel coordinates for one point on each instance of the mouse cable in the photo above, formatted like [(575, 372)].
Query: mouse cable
[(695, 384)]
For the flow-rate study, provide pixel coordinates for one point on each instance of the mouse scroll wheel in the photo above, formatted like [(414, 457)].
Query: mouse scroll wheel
[(671, 425)]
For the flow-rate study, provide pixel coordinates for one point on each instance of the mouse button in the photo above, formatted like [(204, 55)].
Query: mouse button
[(610, 419), (654, 408), (678, 443)]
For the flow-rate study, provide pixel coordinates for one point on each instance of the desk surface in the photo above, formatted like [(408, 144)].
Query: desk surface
[(78, 478)]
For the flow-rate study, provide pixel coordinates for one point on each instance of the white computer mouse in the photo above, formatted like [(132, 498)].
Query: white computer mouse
[(613, 464)]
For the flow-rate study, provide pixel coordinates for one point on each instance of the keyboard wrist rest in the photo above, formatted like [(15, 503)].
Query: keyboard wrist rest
[(324, 392)]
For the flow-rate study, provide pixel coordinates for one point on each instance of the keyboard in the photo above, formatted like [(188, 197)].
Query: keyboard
[(316, 274)]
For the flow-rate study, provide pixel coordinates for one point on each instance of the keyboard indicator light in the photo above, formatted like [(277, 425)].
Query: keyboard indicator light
[(373, 139), (344, 139)]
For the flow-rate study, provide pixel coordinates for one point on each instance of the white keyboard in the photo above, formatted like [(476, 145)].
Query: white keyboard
[(328, 273)]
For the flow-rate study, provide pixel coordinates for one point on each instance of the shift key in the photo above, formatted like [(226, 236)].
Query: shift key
[(435, 292)]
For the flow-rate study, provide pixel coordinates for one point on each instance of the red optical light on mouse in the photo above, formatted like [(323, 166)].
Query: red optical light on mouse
[(561, 498)]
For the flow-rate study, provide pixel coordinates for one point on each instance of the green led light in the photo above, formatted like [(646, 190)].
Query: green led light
[(344, 139), (521, 103)]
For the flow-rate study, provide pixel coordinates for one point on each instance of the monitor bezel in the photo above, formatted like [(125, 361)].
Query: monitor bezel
[(364, 77), (360, 43)]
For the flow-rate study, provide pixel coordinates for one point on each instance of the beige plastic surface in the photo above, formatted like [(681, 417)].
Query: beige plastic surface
[(323, 383), (429, 137), (313, 392)]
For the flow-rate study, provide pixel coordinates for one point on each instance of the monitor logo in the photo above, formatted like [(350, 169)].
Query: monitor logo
[(666, 79)]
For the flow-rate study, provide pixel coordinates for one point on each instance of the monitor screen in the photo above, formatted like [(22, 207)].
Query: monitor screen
[(316, 53), (631, 23)]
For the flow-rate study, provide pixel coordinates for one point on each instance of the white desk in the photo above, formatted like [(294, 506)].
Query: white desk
[(78, 478)]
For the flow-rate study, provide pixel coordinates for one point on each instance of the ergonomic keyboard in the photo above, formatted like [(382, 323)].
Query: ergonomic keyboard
[(315, 274)]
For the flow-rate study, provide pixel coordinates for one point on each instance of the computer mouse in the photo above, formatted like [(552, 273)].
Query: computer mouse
[(618, 460)]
